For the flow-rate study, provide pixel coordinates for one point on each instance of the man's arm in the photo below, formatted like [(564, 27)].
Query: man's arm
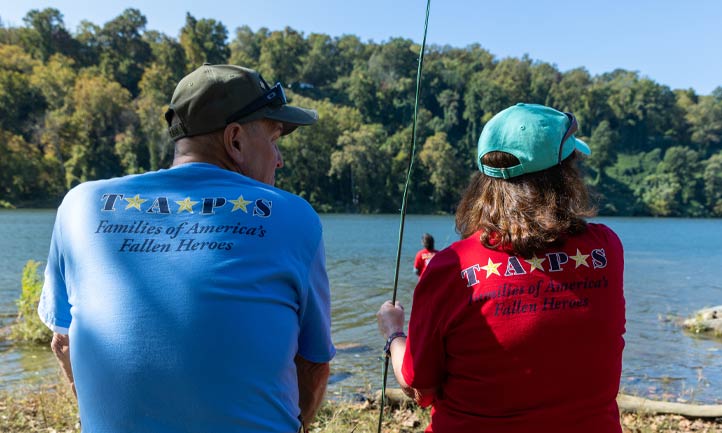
[(60, 345), (312, 380)]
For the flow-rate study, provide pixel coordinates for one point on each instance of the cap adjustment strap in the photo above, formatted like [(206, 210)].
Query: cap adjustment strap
[(177, 131), (502, 172)]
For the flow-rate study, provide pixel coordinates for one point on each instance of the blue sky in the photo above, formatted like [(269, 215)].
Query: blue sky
[(674, 42)]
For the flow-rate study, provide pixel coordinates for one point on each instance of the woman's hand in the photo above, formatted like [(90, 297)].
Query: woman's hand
[(390, 318)]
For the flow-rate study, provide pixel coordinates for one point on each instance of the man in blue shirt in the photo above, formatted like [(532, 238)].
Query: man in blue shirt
[(195, 299)]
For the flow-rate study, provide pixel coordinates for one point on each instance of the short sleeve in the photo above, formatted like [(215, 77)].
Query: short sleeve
[(314, 341), (423, 364), (418, 262), (54, 307)]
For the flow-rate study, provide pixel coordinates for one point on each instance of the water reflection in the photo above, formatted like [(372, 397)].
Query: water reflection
[(23, 363)]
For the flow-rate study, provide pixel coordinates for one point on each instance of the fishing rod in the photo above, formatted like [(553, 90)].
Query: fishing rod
[(404, 202)]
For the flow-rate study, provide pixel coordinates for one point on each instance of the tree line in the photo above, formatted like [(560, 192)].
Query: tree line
[(89, 104)]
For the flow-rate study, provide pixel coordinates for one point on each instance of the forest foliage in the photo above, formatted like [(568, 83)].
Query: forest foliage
[(88, 104)]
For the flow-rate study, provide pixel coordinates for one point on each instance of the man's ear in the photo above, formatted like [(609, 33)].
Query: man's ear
[(233, 142)]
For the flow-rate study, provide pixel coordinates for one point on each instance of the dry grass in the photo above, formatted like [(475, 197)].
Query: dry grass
[(642, 423), (43, 408), (345, 417), (51, 409)]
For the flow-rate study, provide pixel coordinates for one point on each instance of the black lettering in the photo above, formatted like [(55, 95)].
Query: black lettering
[(262, 208), (160, 205), (110, 200), (556, 260), (599, 258), (514, 267)]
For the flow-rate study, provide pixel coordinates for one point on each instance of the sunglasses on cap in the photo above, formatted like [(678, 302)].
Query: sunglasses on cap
[(273, 96), (573, 127)]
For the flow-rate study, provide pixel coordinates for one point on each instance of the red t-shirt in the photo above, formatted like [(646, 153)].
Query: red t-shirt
[(521, 345), (422, 259)]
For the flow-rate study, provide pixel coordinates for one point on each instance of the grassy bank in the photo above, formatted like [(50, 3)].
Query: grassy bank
[(51, 408)]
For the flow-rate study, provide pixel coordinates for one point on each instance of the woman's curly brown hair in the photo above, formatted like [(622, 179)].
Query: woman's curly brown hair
[(528, 213)]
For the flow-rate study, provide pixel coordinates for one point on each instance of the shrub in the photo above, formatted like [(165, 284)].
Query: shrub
[(28, 327)]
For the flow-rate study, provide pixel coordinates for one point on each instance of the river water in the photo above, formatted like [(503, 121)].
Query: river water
[(673, 267)]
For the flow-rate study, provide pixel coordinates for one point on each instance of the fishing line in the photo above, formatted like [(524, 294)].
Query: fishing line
[(404, 201)]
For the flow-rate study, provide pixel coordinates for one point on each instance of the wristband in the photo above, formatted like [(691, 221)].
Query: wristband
[(387, 347)]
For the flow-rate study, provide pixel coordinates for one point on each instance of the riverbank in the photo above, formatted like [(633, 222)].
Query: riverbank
[(51, 408)]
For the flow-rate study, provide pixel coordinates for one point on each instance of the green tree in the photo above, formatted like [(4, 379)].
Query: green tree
[(393, 61), (683, 163), (280, 54), (351, 53), (543, 77), (90, 105), (568, 93), (361, 90), (204, 40), (660, 192), (712, 178), (307, 155), (645, 112), (670, 190), (124, 53), (246, 46), (447, 71), (19, 168), (318, 64), (55, 80), (705, 120), (483, 98), (102, 113), (602, 143), (46, 35), (629, 172), (440, 160), (361, 166), (20, 103), (514, 77), (9, 35), (168, 53), (398, 148), (88, 35), (450, 103), (156, 86)]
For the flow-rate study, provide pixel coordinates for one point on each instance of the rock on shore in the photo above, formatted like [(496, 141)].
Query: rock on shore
[(707, 320)]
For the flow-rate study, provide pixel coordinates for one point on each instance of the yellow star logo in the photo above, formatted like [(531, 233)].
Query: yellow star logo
[(239, 204), (580, 259), (186, 204), (535, 263), (134, 202), (491, 268)]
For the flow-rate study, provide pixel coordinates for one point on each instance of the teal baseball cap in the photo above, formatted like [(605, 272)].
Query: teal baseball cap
[(539, 137)]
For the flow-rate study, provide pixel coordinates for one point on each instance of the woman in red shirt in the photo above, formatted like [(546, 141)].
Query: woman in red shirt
[(424, 256), (518, 327)]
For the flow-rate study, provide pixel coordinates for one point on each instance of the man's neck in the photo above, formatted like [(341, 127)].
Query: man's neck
[(189, 158)]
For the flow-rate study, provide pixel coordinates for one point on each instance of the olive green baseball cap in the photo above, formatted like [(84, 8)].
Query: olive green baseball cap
[(539, 137), (214, 96)]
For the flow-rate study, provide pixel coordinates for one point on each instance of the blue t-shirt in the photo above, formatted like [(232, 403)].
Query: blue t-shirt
[(187, 293)]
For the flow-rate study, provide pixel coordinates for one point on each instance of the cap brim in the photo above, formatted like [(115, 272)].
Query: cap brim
[(582, 146), (293, 117)]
